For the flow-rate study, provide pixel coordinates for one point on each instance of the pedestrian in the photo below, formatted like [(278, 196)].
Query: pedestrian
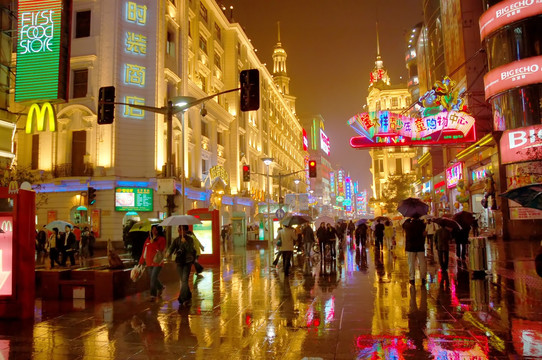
[(52, 246), (361, 235), (77, 232), (287, 237), (308, 239), (415, 247), (388, 234), (379, 235), (155, 243), (461, 241), (41, 241), (91, 243), (185, 254), (279, 252), (431, 228), (199, 248), (443, 236), (83, 250), (475, 227), (68, 243), (351, 230), (321, 235), (332, 236), (224, 234)]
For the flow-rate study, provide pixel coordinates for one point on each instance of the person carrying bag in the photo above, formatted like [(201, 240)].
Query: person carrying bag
[(154, 259), (184, 251)]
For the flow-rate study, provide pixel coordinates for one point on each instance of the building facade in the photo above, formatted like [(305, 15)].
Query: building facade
[(153, 52)]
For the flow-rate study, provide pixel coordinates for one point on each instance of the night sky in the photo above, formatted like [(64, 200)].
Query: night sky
[(331, 47)]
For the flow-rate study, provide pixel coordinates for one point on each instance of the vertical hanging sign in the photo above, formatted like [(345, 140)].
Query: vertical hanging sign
[(43, 50)]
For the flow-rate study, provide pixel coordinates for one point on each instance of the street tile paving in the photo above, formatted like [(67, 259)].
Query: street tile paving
[(360, 306)]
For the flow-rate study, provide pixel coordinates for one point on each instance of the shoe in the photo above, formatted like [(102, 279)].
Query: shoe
[(412, 282)]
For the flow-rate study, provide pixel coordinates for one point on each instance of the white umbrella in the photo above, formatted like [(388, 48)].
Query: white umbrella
[(176, 220), (324, 219), (59, 224)]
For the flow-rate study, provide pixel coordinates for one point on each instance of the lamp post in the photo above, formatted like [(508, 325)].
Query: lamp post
[(181, 102), (296, 182), (268, 162)]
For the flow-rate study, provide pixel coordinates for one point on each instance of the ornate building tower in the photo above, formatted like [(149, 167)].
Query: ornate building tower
[(280, 75)]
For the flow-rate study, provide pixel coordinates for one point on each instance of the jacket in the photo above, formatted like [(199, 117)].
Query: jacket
[(442, 239), (308, 235), (184, 251), (414, 235), (288, 236), (149, 250), (322, 234)]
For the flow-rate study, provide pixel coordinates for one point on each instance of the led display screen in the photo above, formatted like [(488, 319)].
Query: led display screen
[(204, 233), (6, 256), (133, 199), (43, 41)]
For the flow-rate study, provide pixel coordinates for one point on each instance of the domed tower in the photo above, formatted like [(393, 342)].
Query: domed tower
[(379, 73), (280, 75)]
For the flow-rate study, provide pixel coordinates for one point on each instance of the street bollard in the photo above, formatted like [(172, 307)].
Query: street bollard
[(478, 255)]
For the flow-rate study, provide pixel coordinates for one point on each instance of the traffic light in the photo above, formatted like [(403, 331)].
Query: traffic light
[(246, 173), (312, 168), (106, 106), (250, 89), (91, 194)]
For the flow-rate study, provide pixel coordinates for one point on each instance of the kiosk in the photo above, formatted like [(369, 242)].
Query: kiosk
[(17, 250), (239, 228), (208, 233)]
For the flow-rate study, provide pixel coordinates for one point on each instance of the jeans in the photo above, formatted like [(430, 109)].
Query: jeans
[(379, 242), (443, 257), (184, 272), (156, 285), (286, 256), (411, 258), (461, 250), (308, 247)]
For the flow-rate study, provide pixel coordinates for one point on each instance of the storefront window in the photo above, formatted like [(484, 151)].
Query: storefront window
[(517, 108), (514, 42)]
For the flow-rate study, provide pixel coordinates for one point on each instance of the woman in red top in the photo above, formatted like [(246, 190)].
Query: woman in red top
[(154, 243)]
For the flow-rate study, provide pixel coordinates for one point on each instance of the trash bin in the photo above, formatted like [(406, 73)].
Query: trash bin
[(478, 253)]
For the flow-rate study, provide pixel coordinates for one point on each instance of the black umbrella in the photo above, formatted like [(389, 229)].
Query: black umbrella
[(464, 218), (295, 220), (447, 222), (413, 206), (528, 196)]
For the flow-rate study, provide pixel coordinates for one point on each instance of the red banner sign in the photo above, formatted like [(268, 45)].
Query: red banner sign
[(96, 222), (384, 128), (513, 75), (507, 12), (522, 144)]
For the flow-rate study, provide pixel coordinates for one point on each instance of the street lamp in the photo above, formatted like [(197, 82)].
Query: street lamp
[(181, 103), (268, 161), (296, 182)]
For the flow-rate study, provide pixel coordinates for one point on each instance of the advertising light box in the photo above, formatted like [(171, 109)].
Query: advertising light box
[(324, 142), (204, 233), (454, 174), (6, 256), (384, 128), (43, 45), (133, 199)]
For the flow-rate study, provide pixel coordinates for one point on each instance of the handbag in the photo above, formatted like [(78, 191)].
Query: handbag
[(137, 272), (158, 257)]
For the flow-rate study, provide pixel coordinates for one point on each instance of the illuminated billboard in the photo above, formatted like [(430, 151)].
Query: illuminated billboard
[(43, 50), (383, 128), (324, 142), (513, 75), (204, 233), (521, 144), (305, 141), (454, 174), (507, 12), (133, 199)]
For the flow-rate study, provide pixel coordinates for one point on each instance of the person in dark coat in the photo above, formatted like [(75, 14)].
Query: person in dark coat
[(415, 247), (379, 235), (68, 242), (361, 235), (443, 237), (308, 239), (322, 235), (461, 241), (332, 238)]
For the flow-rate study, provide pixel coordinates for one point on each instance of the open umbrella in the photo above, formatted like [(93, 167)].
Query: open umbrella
[(361, 221), (295, 220), (412, 206), (176, 220), (443, 221), (528, 196), (143, 225), (324, 219), (381, 218), (59, 224), (464, 218)]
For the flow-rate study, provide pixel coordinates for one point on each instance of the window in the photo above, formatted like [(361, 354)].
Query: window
[(35, 151), (204, 129), (203, 12), (218, 32), (381, 165), (82, 24), (398, 166), (220, 138), (170, 44), (203, 82), (190, 29), (203, 44), (80, 83), (218, 61), (394, 102)]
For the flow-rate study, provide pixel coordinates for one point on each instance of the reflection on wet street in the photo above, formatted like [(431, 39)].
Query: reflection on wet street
[(360, 306)]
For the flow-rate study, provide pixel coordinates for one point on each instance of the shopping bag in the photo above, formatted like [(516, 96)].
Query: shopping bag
[(137, 272), (158, 257)]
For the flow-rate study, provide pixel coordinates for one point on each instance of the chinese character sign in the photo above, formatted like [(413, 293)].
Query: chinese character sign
[(384, 128), (332, 183), (454, 174), (340, 186)]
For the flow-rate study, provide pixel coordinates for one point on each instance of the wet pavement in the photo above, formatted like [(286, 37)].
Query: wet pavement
[(358, 307)]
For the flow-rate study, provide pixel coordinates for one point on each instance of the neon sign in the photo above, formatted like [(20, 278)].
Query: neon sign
[(507, 12), (348, 197), (38, 113), (42, 50), (384, 128), (324, 142), (6, 256), (454, 174), (340, 186), (305, 141), (522, 144), (332, 183)]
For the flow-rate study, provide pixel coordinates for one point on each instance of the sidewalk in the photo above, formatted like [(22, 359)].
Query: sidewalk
[(359, 307)]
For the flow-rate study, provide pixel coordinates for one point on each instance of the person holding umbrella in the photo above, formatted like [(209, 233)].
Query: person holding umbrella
[(443, 236), (415, 247), (287, 237), (185, 254), (155, 242)]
